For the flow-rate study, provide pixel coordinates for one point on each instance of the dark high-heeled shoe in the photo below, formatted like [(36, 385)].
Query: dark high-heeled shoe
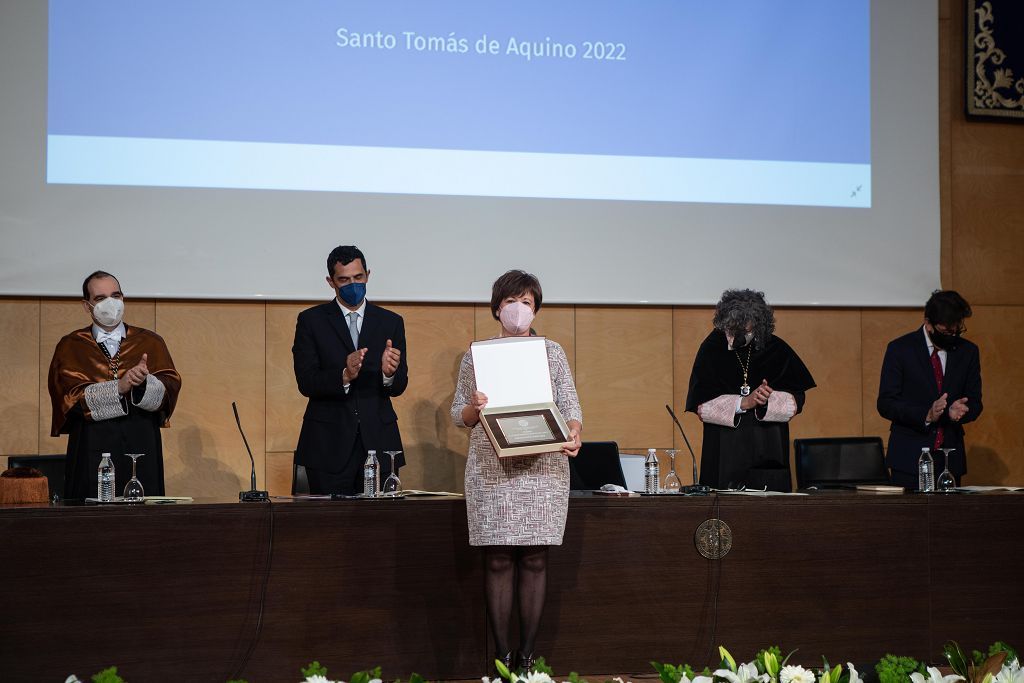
[(525, 663), (505, 658)]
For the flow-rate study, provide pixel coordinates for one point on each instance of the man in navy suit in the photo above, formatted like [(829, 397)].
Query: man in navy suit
[(350, 361), (930, 387)]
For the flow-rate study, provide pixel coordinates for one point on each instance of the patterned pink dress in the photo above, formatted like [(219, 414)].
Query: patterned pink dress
[(524, 500)]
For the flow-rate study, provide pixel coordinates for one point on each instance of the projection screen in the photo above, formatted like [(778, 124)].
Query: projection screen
[(627, 153)]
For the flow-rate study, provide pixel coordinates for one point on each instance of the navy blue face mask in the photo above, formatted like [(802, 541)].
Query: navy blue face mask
[(353, 293)]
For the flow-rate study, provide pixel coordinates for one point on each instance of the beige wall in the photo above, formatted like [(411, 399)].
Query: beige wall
[(628, 362)]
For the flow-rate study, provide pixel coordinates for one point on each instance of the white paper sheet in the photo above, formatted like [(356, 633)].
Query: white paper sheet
[(512, 371)]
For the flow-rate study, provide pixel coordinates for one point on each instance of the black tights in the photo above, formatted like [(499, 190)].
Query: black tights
[(503, 565)]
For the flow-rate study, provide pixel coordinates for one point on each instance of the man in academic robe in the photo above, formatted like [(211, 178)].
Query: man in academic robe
[(350, 361), (930, 386), (746, 385), (112, 386)]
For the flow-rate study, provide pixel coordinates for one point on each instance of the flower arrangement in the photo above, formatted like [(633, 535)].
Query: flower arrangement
[(1000, 664)]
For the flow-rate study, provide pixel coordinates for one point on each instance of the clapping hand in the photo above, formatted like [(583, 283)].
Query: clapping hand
[(134, 377), (389, 360), (938, 408), (353, 363), (958, 409), (758, 397)]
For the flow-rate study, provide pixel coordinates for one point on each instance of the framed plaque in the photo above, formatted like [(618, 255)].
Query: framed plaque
[(521, 417)]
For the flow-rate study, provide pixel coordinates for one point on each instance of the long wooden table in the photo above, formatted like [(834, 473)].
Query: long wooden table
[(179, 592)]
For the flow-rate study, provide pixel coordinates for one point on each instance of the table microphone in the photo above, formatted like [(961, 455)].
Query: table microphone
[(252, 495), (696, 489)]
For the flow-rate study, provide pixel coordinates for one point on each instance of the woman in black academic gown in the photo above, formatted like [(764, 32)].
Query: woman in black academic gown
[(746, 385)]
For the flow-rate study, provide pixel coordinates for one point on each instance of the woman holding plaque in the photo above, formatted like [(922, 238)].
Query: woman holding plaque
[(516, 506), (746, 385)]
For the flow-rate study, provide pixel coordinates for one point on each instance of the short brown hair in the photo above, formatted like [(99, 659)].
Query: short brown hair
[(99, 274), (514, 283)]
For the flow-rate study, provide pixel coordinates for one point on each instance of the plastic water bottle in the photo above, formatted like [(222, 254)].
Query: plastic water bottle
[(371, 475), (105, 480), (652, 471), (926, 471)]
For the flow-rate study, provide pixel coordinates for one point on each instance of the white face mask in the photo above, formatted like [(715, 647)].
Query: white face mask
[(109, 312), (516, 318)]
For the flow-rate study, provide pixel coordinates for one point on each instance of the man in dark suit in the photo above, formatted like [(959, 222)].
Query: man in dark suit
[(350, 361), (930, 387)]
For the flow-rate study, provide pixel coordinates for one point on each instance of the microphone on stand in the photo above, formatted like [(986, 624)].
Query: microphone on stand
[(252, 495), (696, 489)]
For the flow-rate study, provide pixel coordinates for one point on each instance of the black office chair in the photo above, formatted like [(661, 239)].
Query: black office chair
[(595, 465), (840, 461), (50, 465), (300, 484)]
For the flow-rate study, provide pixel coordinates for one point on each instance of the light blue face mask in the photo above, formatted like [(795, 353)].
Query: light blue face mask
[(353, 293)]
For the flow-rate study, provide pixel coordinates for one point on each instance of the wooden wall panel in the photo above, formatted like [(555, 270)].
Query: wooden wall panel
[(624, 374), (689, 328), (220, 352), (828, 341), (995, 442), (19, 377), (57, 318), (285, 404), (878, 328), (987, 187), (438, 336)]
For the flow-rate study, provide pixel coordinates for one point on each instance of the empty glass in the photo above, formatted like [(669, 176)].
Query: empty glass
[(392, 485), (672, 483), (133, 491), (946, 482)]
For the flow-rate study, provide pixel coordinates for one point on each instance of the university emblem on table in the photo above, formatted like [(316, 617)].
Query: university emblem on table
[(713, 539)]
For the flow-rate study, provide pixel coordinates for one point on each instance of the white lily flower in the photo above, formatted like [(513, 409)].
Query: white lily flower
[(485, 679), (745, 673), (934, 676), (317, 678), (796, 674), (854, 676), (1010, 673), (702, 679)]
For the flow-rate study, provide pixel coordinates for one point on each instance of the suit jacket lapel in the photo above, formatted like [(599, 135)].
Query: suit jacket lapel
[(340, 324), (369, 324)]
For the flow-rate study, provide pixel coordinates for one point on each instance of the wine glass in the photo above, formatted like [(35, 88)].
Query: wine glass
[(133, 491), (672, 483), (392, 485), (946, 482)]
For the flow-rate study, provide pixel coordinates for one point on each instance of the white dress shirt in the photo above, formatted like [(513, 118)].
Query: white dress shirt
[(360, 313), (111, 340)]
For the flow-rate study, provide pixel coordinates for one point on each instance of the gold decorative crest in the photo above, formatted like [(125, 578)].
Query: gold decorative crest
[(713, 539), (992, 89)]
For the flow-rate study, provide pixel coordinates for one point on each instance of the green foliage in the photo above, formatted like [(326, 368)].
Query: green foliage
[(767, 660), (315, 668), (728, 662), (575, 678), (893, 669), (416, 678), (108, 676), (994, 649), (669, 673), (503, 671), (365, 676), (542, 666)]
